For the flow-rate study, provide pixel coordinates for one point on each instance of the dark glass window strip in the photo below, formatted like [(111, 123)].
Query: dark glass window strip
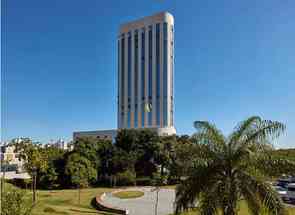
[(150, 90), (136, 78), (129, 80), (122, 71), (142, 75), (158, 73), (165, 74)]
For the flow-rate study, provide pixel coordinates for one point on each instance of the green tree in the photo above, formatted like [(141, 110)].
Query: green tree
[(183, 157), (147, 147), (165, 152), (53, 175), (88, 147), (228, 169), (48, 179), (80, 170), (123, 161), (32, 154), (106, 152), (127, 140), (142, 145), (49, 162)]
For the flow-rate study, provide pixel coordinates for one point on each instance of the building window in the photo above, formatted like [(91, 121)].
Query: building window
[(172, 76), (129, 67), (158, 77), (122, 70), (150, 90), (165, 74), (136, 116), (129, 80), (142, 74), (118, 92), (136, 76)]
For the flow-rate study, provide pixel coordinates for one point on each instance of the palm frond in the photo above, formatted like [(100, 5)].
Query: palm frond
[(249, 195), (265, 131), (208, 204), (251, 200), (208, 134), (208, 151), (243, 128), (202, 177), (267, 197)]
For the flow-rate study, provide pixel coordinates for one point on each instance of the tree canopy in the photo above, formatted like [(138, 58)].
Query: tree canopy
[(232, 167)]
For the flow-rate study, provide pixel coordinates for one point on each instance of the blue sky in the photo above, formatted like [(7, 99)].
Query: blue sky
[(233, 59)]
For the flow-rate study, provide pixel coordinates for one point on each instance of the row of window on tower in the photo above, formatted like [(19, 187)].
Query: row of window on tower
[(136, 59)]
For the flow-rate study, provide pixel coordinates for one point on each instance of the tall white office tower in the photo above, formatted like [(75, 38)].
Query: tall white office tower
[(145, 74)]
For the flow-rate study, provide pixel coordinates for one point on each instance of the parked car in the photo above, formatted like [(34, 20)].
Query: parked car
[(291, 192), (282, 192), (283, 182)]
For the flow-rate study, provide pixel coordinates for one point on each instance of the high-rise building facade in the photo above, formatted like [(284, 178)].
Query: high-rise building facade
[(146, 74), (145, 77)]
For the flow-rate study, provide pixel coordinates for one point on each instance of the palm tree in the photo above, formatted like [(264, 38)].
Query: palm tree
[(233, 168)]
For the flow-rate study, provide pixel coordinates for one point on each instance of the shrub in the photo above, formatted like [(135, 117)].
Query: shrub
[(14, 203), (126, 178), (21, 183), (144, 181), (173, 181)]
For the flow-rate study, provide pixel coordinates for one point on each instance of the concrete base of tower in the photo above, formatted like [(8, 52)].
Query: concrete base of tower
[(166, 131), (111, 134)]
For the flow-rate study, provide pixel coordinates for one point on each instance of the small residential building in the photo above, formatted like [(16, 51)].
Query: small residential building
[(11, 160)]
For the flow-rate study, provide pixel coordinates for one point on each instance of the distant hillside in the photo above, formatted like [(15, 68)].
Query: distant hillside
[(285, 153)]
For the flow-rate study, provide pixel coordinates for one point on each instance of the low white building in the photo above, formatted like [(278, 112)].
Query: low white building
[(111, 134), (99, 134)]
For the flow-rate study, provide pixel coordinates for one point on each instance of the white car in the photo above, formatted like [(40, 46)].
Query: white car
[(291, 192), (282, 192)]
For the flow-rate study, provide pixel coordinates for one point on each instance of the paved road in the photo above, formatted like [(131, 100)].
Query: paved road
[(144, 205)]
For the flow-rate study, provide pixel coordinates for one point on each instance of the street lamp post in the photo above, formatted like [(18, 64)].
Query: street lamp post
[(34, 175)]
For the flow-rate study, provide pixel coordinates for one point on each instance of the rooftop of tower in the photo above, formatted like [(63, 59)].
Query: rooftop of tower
[(139, 23)]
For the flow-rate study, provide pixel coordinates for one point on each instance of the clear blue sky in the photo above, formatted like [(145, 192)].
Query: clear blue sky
[(233, 59)]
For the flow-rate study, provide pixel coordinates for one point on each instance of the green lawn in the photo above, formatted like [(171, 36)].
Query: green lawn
[(128, 194), (66, 202)]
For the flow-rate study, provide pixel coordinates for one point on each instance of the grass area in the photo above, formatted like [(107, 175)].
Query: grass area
[(65, 202), (128, 194), (168, 187)]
